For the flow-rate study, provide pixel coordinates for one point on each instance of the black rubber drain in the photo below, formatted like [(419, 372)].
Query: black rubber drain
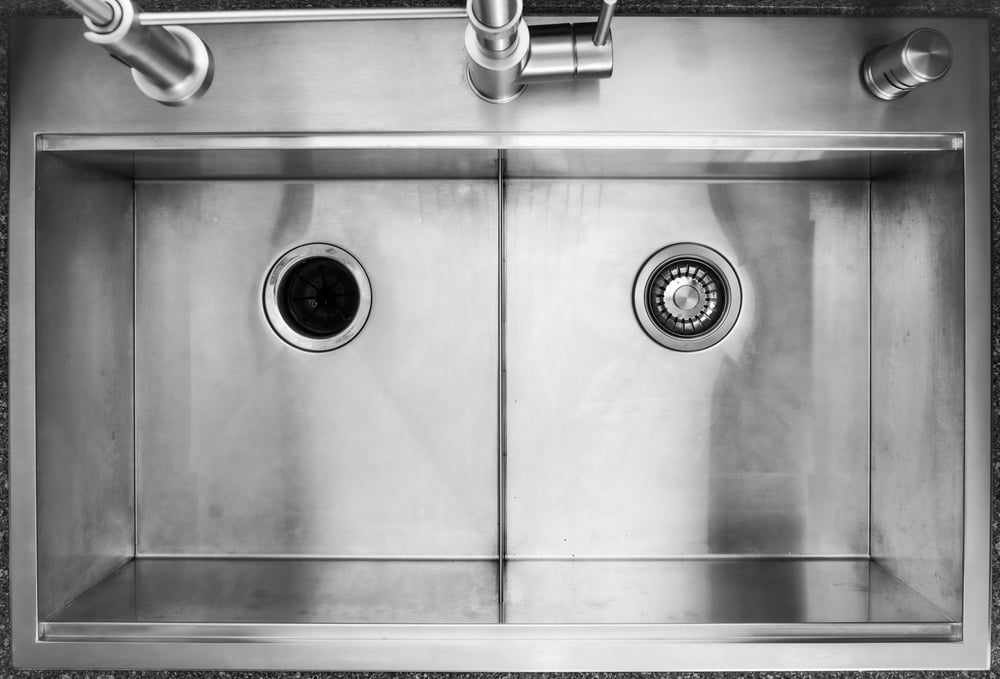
[(319, 297)]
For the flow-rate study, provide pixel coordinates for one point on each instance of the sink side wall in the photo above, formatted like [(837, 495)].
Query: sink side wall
[(83, 344), (918, 370)]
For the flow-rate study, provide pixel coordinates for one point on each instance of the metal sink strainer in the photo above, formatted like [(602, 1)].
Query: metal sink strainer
[(317, 297), (687, 297)]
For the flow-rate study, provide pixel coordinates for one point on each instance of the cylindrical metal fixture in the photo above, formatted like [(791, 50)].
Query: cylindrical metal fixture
[(892, 70), (98, 11), (603, 31), (492, 75), (566, 52), (495, 13), (169, 64), (277, 16), (498, 34), (504, 59)]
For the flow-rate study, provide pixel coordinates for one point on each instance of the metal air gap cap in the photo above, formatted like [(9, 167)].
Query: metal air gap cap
[(921, 57)]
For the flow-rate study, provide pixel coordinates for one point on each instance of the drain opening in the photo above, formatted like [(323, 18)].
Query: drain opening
[(687, 297), (317, 297)]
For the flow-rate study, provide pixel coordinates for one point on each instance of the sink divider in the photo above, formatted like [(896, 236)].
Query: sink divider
[(502, 388)]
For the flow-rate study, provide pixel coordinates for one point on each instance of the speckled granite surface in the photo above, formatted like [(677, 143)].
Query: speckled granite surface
[(976, 8)]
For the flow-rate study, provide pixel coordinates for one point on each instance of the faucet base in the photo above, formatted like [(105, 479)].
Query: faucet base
[(484, 97), (194, 85), (495, 76)]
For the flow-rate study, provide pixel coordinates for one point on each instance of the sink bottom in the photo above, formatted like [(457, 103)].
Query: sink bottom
[(289, 591), (191, 599), (782, 591)]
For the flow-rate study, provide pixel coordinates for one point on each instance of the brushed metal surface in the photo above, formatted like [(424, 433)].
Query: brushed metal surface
[(752, 146), (386, 446), (170, 64), (83, 296), (81, 96), (618, 446), (918, 319), (920, 58), (603, 31), (291, 591), (269, 160), (98, 11), (806, 592), (414, 156), (337, 638), (176, 599), (271, 16), (745, 159), (281, 81)]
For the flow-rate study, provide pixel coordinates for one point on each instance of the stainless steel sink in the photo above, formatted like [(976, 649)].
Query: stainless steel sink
[(506, 465)]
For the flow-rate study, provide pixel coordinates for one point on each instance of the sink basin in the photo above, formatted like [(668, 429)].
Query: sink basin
[(344, 386)]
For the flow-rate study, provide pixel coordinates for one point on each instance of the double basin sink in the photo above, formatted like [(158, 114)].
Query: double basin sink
[(517, 452)]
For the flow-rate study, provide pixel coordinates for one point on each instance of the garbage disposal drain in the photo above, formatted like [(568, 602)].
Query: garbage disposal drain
[(687, 297), (317, 297)]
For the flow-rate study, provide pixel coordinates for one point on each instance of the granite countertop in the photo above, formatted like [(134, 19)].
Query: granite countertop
[(969, 8)]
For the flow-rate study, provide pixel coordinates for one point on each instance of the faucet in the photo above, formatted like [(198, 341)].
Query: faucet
[(505, 54), (170, 64), (173, 66)]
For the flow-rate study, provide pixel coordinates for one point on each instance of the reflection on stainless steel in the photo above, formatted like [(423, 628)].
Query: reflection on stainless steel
[(101, 12), (84, 297), (785, 462), (300, 164), (834, 594), (918, 319), (318, 510), (341, 453), (189, 598), (921, 57), (290, 591), (505, 54), (602, 32), (649, 452), (564, 52), (821, 152), (274, 16)]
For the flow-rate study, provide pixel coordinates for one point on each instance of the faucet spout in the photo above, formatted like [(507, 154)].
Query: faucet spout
[(495, 23), (495, 13)]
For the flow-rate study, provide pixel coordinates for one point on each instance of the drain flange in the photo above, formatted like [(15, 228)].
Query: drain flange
[(687, 297), (317, 297)]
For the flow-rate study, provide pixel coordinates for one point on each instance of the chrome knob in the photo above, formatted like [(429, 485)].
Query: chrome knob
[(892, 70)]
